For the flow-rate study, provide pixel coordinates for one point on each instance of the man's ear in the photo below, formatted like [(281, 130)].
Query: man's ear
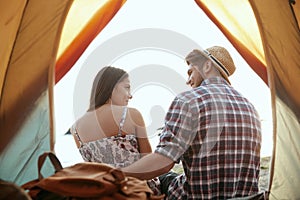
[(207, 67)]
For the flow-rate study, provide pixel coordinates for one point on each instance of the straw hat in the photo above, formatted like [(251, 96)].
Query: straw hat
[(222, 59)]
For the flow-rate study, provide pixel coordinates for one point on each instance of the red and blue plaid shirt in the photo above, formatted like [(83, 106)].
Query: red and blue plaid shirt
[(216, 133)]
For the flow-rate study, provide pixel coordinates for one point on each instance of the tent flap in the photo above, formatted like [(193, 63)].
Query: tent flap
[(237, 22), (282, 57), (9, 24), (26, 80), (75, 41)]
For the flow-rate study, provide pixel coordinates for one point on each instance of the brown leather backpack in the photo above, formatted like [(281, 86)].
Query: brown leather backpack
[(86, 180)]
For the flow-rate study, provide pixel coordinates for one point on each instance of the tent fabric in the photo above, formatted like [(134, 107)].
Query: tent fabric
[(19, 159), (296, 12), (237, 22), (283, 63), (285, 182), (9, 24), (29, 59), (93, 17), (25, 112), (282, 57), (270, 42)]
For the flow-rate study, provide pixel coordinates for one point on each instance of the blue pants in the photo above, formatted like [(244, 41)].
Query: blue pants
[(165, 181)]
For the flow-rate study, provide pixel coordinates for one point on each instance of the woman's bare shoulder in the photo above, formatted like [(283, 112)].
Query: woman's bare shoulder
[(134, 111), (136, 116), (88, 119)]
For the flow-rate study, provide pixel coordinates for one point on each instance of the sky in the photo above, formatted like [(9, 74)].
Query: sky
[(149, 39)]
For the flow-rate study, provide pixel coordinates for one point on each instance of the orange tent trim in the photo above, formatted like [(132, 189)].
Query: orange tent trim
[(85, 37)]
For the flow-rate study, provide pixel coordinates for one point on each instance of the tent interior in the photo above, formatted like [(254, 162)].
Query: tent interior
[(42, 40)]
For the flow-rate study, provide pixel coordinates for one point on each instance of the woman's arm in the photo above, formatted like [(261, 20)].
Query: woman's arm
[(141, 132)]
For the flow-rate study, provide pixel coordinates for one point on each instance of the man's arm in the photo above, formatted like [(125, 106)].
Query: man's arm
[(149, 166)]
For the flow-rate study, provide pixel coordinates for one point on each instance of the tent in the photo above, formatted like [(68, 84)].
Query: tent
[(39, 46)]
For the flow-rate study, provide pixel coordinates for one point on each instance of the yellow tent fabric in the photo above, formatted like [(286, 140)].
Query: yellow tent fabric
[(31, 37), (29, 59), (90, 18), (282, 57), (237, 21)]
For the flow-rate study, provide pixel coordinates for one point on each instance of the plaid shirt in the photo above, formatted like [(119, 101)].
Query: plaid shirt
[(216, 133)]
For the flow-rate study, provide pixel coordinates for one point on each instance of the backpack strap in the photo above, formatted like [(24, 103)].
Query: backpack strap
[(122, 121), (54, 160)]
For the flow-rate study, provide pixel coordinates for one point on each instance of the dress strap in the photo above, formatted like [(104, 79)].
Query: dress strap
[(77, 136), (122, 121)]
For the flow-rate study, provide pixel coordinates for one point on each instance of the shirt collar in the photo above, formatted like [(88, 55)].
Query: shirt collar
[(214, 80)]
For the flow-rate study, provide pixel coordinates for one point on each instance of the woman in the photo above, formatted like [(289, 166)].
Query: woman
[(110, 132)]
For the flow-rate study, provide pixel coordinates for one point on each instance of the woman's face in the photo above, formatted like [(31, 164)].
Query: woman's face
[(121, 93)]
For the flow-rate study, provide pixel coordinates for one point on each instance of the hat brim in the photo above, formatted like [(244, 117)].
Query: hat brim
[(222, 73)]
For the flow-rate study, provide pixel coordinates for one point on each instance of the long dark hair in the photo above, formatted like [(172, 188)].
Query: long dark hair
[(103, 85)]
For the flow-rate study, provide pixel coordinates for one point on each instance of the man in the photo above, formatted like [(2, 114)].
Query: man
[(213, 130)]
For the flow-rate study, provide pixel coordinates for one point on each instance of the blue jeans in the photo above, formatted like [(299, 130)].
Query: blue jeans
[(165, 181)]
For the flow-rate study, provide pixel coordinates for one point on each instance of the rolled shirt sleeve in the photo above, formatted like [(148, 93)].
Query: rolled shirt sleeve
[(180, 129)]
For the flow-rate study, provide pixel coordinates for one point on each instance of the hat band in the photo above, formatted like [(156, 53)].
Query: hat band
[(218, 62)]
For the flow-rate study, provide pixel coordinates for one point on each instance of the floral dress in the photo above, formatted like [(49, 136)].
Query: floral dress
[(118, 151)]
